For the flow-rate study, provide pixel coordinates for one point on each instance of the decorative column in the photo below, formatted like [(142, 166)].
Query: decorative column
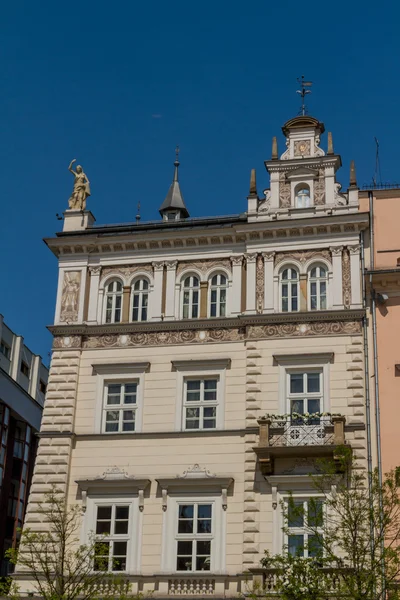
[(126, 303), (158, 290), (236, 291), (355, 276), (260, 276), (268, 281), (337, 295), (303, 292), (170, 289), (251, 283), (95, 273), (203, 299)]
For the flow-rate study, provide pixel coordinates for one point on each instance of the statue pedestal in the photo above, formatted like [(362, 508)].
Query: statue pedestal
[(74, 220)]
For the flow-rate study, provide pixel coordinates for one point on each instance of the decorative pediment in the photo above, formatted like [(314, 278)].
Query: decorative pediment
[(113, 477), (302, 172), (195, 477)]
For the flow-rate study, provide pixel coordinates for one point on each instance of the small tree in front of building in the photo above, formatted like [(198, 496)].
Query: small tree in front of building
[(351, 538), (59, 566)]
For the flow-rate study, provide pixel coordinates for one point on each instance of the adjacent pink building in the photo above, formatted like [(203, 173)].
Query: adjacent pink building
[(382, 277)]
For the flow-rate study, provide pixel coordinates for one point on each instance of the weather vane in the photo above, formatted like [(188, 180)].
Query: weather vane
[(303, 93)]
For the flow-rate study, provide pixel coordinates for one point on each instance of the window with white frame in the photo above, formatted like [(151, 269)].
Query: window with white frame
[(289, 290), (140, 300), (302, 196), (113, 302), (194, 536), (200, 403), (218, 293), (190, 297), (120, 406), (305, 518), (317, 285), (112, 535), (305, 391)]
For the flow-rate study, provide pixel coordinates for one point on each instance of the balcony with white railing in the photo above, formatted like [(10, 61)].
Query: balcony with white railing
[(316, 435)]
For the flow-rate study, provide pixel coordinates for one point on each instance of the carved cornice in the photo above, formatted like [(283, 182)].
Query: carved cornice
[(208, 331)]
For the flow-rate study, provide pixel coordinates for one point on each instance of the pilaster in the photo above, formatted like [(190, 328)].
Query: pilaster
[(337, 295), (203, 299), (355, 275), (236, 291), (158, 289), (170, 289), (251, 283), (268, 281), (95, 273), (16, 356)]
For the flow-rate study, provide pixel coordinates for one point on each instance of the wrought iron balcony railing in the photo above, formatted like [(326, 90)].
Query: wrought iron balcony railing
[(301, 432), (298, 436)]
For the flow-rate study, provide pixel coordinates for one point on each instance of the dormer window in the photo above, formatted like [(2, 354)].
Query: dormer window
[(172, 216), (302, 196)]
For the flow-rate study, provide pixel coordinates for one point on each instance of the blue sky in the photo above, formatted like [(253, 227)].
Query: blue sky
[(118, 85)]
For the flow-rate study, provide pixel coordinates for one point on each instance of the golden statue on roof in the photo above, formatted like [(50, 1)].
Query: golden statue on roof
[(81, 189)]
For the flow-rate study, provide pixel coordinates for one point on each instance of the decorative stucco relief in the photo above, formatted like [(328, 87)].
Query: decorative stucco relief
[(302, 256), (346, 278), (260, 284), (203, 265), (67, 341), (126, 271), (70, 296), (319, 188), (165, 338), (284, 191), (302, 148), (304, 329)]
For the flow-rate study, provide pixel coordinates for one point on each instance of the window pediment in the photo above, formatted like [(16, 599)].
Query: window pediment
[(301, 173), (192, 479), (112, 480)]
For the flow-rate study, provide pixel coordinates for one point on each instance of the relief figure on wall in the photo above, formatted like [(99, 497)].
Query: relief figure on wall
[(70, 296), (81, 189)]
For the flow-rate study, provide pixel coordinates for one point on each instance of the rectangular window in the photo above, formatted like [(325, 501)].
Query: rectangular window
[(42, 387), (120, 406), (302, 516), (5, 349), (305, 392), (194, 536), (112, 535), (200, 403), (24, 369)]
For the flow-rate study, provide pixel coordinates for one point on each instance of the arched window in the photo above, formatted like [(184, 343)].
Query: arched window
[(218, 291), (114, 301), (317, 281), (190, 299), (290, 290), (303, 197), (140, 300)]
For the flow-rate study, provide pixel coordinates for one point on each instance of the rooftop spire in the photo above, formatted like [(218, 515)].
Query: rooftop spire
[(174, 206), (303, 93), (253, 184), (353, 178)]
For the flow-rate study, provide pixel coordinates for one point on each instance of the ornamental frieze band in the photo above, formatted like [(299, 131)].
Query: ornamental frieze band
[(204, 336)]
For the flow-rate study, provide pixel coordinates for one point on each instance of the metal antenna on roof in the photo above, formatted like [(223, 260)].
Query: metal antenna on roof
[(303, 93), (377, 165), (138, 213), (176, 163)]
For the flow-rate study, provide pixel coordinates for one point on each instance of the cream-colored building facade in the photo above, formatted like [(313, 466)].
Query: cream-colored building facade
[(174, 339)]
